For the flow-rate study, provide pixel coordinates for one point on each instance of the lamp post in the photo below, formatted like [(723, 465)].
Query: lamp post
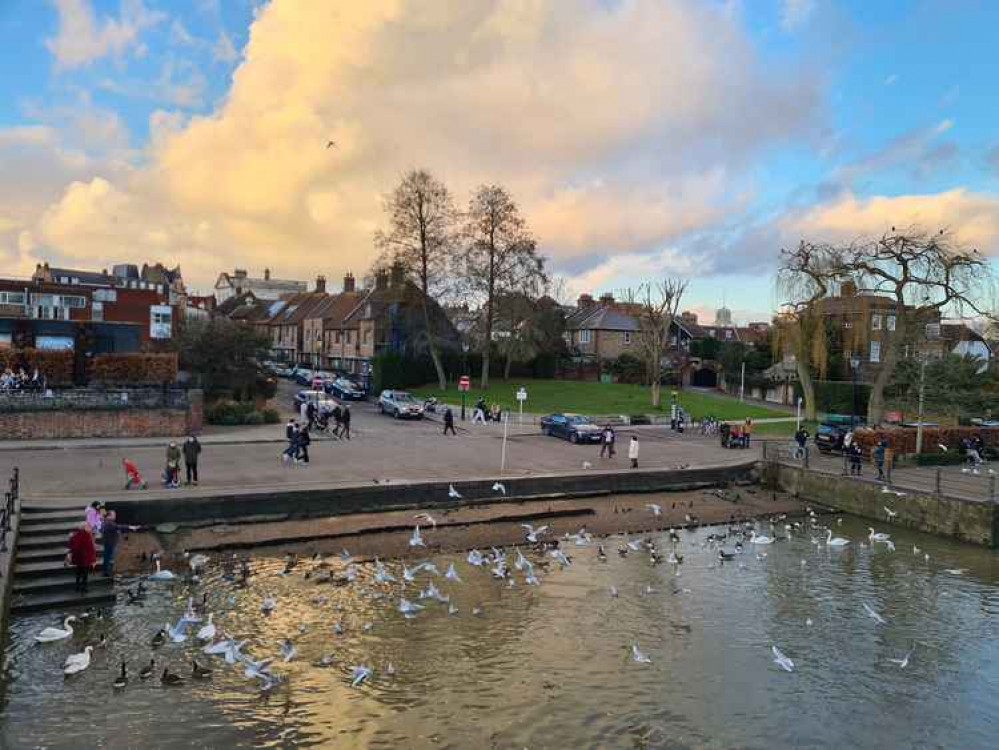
[(919, 418), (854, 366), (464, 371)]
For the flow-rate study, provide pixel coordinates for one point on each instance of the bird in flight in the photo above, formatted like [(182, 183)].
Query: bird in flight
[(331, 144)]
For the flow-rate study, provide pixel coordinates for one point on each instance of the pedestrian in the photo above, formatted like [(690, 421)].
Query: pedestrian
[(82, 555), (337, 420), (479, 413), (345, 422), (192, 449), (879, 458), (173, 465), (310, 414), (633, 451), (607, 443), (449, 421), (973, 449), (303, 412), (291, 435), (109, 536), (495, 413), (747, 432), (856, 454), (302, 442), (92, 514)]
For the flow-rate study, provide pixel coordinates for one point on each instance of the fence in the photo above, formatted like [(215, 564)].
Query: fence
[(93, 399), (978, 483), (9, 507)]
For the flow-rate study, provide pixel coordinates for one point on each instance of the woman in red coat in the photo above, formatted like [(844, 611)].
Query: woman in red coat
[(82, 555)]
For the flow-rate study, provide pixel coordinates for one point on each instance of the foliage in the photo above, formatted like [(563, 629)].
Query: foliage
[(133, 369), (391, 369), (953, 385), (224, 357), (836, 397), (628, 368), (706, 348), (54, 365), (225, 412), (657, 306), (903, 439)]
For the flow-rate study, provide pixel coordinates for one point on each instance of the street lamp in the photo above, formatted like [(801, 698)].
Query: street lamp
[(854, 366), (464, 371)]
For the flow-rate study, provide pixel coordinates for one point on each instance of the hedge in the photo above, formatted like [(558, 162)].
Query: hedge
[(836, 396), (133, 369), (903, 439), (56, 366), (236, 413)]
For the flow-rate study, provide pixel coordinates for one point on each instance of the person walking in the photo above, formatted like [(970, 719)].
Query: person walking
[(856, 454), (303, 441), (633, 451), (337, 420), (173, 465), (93, 516), (479, 412), (879, 458), (801, 438), (291, 435), (607, 443), (192, 449), (82, 555), (310, 414), (303, 412), (110, 535), (345, 422), (449, 421)]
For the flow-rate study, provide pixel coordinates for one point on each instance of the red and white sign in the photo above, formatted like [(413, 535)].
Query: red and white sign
[(464, 383)]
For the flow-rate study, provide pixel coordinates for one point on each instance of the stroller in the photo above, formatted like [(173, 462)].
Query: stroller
[(133, 479)]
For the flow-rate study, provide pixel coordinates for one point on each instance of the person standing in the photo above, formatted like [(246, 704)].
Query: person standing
[(310, 414), (607, 444), (82, 555), (345, 422), (173, 465), (109, 536), (449, 421), (879, 458), (337, 420), (856, 454), (291, 435), (801, 438), (303, 443), (633, 451), (192, 449), (93, 517), (303, 412), (747, 432)]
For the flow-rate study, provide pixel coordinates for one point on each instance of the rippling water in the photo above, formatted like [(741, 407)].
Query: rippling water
[(551, 666)]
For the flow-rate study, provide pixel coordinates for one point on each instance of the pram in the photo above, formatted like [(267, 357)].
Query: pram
[(133, 479)]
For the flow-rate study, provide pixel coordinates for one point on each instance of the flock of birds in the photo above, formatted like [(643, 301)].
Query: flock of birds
[(415, 588)]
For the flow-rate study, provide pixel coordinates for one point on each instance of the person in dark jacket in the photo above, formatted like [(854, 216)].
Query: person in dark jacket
[(310, 414), (82, 555), (337, 420), (110, 534), (345, 422), (290, 434), (302, 442), (191, 450), (449, 421)]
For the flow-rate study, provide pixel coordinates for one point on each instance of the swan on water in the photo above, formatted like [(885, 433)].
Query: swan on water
[(77, 662), (160, 574), (759, 539), (207, 632), (877, 536), (56, 634), (836, 541)]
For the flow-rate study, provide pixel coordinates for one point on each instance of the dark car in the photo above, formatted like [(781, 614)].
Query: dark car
[(572, 427), (345, 389)]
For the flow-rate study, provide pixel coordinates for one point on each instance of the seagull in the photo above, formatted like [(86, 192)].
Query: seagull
[(287, 649), (499, 487), (942, 447), (381, 574), (416, 540), (268, 605), (956, 571), (587, 465), (331, 144), (453, 493), (532, 533), (390, 670), (904, 661), (781, 659), (429, 519), (408, 608), (613, 591), (890, 513), (475, 558), (177, 632), (874, 615), (409, 574), (561, 558), (359, 674), (258, 669), (657, 510), (452, 574), (452, 609), (637, 655)]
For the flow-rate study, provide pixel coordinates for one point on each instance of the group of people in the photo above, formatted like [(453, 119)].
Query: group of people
[(299, 440), (483, 413), (974, 451), (189, 452), (608, 441), (316, 417), (12, 381), (737, 435), (82, 555)]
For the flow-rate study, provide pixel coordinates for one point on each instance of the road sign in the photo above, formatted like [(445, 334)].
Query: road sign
[(522, 394), (464, 383)]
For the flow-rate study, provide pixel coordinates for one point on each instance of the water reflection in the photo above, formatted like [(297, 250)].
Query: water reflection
[(550, 666)]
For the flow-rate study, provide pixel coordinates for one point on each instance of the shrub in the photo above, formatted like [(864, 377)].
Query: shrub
[(55, 366), (903, 439), (628, 368), (133, 369), (236, 413)]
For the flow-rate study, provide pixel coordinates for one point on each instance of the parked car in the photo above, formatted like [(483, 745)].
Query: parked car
[(572, 427), (303, 376), (321, 399), (400, 405), (284, 370), (345, 389)]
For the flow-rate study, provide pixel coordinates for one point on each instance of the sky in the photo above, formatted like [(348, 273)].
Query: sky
[(641, 138)]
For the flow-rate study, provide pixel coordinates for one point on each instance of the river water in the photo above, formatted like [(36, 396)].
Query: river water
[(551, 666)]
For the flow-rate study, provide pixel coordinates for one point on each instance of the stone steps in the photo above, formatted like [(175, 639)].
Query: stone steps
[(62, 600)]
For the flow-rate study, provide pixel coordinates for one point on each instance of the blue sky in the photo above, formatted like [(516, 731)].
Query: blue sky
[(641, 137)]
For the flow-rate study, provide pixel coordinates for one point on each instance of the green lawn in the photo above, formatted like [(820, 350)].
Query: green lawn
[(546, 396)]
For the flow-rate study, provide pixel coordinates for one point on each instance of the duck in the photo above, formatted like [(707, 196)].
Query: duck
[(160, 574), (199, 671), (836, 541), (147, 671), (169, 678), (207, 632), (48, 635), (121, 680), (160, 637), (77, 662)]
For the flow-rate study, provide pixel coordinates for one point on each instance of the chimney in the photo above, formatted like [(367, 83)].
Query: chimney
[(320, 284), (267, 274), (688, 318), (397, 275), (584, 302), (848, 289), (239, 273), (381, 281), (606, 299), (348, 282)]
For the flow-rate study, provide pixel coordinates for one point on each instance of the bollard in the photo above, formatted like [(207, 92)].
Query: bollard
[(939, 477)]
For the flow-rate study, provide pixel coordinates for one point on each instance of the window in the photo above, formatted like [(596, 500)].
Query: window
[(337, 337), (160, 321), (876, 322), (891, 322), (875, 351), (348, 336), (12, 298), (584, 336), (97, 311), (728, 335), (627, 338), (105, 295), (68, 301)]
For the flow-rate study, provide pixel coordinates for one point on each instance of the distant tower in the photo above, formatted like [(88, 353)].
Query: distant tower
[(723, 316)]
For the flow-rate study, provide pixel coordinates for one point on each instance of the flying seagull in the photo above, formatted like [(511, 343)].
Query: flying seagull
[(331, 144), (499, 487)]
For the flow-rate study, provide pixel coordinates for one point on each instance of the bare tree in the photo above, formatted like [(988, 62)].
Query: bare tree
[(655, 306), (501, 256), (421, 237)]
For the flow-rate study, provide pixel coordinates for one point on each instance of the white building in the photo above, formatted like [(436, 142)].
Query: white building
[(231, 285)]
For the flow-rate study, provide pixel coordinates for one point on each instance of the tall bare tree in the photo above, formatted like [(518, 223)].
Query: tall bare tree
[(501, 256), (655, 306), (421, 237)]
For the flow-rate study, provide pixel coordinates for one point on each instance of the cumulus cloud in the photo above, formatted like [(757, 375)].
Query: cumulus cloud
[(795, 13), (82, 37)]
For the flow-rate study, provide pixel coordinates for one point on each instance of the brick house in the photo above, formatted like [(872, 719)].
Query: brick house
[(233, 284), (605, 329)]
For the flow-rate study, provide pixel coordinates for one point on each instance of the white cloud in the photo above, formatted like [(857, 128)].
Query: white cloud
[(223, 50), (795, 14), (634, 267), (82, 37)]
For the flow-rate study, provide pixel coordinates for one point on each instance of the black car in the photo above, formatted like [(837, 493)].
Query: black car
[(572, 427)]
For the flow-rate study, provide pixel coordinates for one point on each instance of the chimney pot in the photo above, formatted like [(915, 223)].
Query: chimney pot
[(585, 301), (267, 274), (348, 282), (320, 284)]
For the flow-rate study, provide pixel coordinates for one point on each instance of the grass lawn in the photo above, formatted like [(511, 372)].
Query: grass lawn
[(546, 396), (777, 430)]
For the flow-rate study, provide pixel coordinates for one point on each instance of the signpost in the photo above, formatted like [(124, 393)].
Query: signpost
[(521, 398), (463, 385)]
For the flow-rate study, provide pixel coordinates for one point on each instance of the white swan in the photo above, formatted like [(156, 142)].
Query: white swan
[(877, 536), (207, 632), (56, 634), (835, 541), (177, 632), (77, 662), (754, 539), (160, 574)]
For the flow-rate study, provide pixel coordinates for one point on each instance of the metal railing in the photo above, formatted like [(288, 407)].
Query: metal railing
[(9, 507), (978, 483), (94, 399)]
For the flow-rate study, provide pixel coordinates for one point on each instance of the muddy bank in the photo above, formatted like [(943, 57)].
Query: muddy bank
[(387, 533)]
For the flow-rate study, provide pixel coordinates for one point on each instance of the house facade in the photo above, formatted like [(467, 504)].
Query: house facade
[(604, 329), (233, 284)]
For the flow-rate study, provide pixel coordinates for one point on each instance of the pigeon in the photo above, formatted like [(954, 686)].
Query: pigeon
[(453, 493), (287, 649), (359, 674), (638, 656), (499, 487), (781, 659)]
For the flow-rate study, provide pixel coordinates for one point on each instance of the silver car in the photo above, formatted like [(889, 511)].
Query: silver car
[(400, 405)]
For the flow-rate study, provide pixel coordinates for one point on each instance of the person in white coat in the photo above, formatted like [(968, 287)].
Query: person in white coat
[(633, 451)]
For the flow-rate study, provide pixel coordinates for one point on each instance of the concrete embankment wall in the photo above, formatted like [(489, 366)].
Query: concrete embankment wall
[(965, 520), (312, 503)]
